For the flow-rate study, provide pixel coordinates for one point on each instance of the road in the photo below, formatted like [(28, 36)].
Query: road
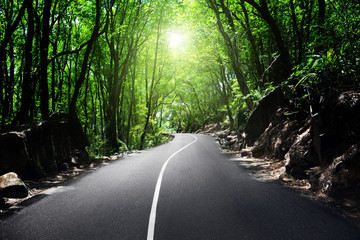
[(186, 189)]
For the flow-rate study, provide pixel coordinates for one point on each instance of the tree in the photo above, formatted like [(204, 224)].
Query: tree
[(28, 86), (232, 48), (131, 69), (44, 51), (84, 66), (263, 9)]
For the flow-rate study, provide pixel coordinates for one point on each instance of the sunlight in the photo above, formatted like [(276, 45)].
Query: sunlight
[(175, 39)]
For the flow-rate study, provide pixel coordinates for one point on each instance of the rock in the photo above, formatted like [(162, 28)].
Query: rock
[(105, 158), (244, 153), (82, 156), (340, 125), (313, 177), (2, 203), (14, 155), (257, 151), (231, 140), (38, 149), (224, 133), (237, 146), (342, 176), (280, 135), (286, 178), (11, 186), (64, 167), (260, 118), (301, 156), (222, 142)]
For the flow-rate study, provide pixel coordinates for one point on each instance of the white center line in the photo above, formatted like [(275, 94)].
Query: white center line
[(151, 227)]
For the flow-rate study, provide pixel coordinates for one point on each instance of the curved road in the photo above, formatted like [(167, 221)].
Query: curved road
[(186, 189)]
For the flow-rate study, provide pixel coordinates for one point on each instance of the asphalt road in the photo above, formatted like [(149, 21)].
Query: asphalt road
[(186, 189)]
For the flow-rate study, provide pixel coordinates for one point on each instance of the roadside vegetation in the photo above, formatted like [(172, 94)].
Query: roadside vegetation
[(131, 70)]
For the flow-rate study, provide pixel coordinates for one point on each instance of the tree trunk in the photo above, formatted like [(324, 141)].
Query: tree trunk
[(321, 21), (113, 103), (132, 102), (53, 81), (85, 102), (28, 86), (283, 50), (298, 35), (150, 94), (322, 8), (84, 67), (254, 51), (44, 50), (234, 55), (8, 87), (226, 93), (10, 29)]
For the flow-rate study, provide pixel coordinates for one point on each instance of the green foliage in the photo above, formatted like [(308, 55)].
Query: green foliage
[(139, 85), (309, 71), (123, 147), (157, 137), (98, 147)]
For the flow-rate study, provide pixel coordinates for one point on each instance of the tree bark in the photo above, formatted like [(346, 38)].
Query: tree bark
[(28, 86), (234, 55), (84, 67), (150, 94), (132, 102), (322, 12), (117, 76), (8, 87), (53, 81), (320, 23), (251, 38), (10, 29), (226, 93), (298, 35), (44, 50), (283, 50)]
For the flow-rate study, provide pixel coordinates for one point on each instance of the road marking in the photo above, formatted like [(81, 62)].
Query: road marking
[(152, 218)]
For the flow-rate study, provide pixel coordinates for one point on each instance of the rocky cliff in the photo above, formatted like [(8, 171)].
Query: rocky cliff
[(319, 143)]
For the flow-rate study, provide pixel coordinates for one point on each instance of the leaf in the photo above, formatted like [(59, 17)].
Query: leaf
[(244, 106)]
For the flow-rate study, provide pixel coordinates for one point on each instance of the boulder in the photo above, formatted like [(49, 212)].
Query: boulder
[(342, 176), (257, 151), (340, 125), (41, 148), (301, 156), (38, 150), (64, 167), (11, 186), (245, 153), (260, 118), (340, 145), (224, 133), (14, 155), (281, 133)]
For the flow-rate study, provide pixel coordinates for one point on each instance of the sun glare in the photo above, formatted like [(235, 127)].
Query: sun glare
[(175, 39)]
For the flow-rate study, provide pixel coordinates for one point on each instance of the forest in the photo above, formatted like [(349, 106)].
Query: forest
[(133, 70)]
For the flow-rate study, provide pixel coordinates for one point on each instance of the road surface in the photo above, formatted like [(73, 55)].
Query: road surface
[(186, 189)]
